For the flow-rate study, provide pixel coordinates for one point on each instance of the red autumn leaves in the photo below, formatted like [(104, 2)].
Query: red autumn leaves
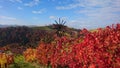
[(99, 49)]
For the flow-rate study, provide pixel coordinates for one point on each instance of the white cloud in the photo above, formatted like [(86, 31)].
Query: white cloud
[(91, 4), (19, 1), (39, 11), (7, 18), (13, 22), (56, 18), (94, 12), (52, 17), (81, 23), (32, 3), (19, 8), (70, 6), (82, 3), (51, 0), (103, 13)]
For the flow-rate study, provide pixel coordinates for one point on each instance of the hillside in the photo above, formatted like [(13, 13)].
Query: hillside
[(98, 48), (29, 36)]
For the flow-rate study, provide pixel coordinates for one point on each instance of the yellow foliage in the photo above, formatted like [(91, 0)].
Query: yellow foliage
[(30, 55), (5, 59)]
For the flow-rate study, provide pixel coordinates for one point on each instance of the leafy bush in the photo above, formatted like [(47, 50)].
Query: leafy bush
[(19, 62), (98, 49), (5, 60), (30, 55)]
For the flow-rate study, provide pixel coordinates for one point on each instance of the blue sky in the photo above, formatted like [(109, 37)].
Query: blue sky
[(78, 13)]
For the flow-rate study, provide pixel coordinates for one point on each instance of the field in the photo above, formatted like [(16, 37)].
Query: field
[(99, 48)]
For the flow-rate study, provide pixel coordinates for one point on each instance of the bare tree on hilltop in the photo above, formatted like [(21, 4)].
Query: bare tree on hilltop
[(59, 26)]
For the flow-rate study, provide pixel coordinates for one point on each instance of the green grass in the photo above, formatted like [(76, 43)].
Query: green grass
[(19, 62), (42, 28)]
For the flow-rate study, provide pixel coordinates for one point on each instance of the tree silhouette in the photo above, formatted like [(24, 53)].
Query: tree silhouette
[(59, 26)]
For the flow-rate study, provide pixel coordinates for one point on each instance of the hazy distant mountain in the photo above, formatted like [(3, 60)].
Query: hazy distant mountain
[(4, 26)]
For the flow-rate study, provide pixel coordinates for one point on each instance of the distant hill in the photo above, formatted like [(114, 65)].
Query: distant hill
[(2, 26), (29, 35)]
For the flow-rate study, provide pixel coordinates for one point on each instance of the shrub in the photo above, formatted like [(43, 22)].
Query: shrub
[(98, 49)]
